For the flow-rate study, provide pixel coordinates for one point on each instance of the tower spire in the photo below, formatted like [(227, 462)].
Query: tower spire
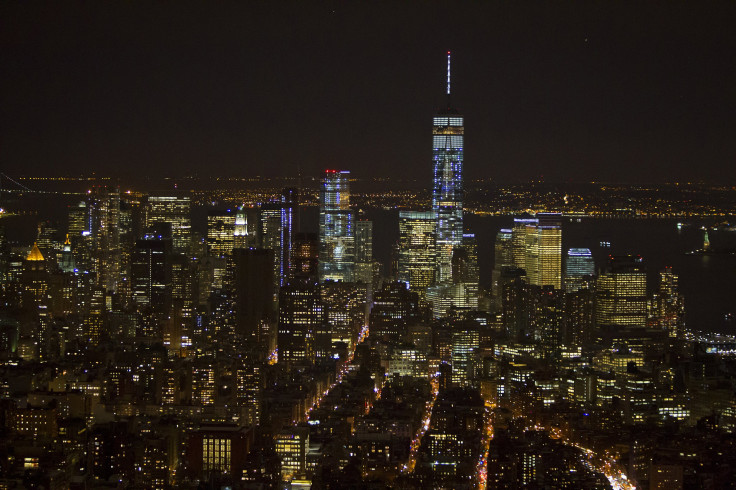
[(448, 73)]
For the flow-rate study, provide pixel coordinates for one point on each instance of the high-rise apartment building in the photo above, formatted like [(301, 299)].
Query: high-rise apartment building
[(448, 131), (336, 228)]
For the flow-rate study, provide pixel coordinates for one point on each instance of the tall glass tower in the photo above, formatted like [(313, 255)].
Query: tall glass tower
[(289, 208), (579, 269), (417, 245), (447, 186), (336, 233)]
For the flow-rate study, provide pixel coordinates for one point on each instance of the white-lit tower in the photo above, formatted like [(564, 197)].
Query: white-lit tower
[(447, 186)]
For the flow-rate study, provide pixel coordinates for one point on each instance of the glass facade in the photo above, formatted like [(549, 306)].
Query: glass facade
[(579, 268), (417, 241), (447, 187), (175, 210), (579, 262), (220, 233), (622, 293), (289, 208), (544, 251), (336, 234)]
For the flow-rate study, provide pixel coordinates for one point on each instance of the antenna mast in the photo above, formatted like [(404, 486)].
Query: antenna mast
[(448, 73)]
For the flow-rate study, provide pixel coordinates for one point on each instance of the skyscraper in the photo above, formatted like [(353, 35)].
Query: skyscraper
[(302, 332), (579, 262), (289, 210), (503, 249), (105, 213), (503, 258), (78, 219), (35, 278), (336, 234), (246, 228), (271, 234), (417, 248), (518, 239), (277, 223), (220, 233), (447, 186), (579, 268), (254, 296), (305, 257), (622, 293), (395, 307), (175, 210), (363, 251), (544, 251), (151, 272), (345, 309), (465, 271), (66, 258), (669, 304)]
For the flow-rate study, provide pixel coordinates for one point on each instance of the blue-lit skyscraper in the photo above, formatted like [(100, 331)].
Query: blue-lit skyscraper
[(289, 209), (447, 186), (336, 234)]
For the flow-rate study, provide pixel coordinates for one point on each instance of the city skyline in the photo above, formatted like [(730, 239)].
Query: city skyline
[(420, 329), (576, 93)]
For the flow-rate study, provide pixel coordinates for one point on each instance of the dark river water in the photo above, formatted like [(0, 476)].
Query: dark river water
[(707, 282)]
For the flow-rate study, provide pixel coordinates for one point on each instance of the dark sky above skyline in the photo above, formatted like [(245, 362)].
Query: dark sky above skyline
[(572, 91)]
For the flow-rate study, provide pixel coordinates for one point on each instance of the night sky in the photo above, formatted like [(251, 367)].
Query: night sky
[(571, 91)]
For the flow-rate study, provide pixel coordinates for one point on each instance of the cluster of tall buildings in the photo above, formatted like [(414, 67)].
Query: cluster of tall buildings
[(144, 349), (435, 257)]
